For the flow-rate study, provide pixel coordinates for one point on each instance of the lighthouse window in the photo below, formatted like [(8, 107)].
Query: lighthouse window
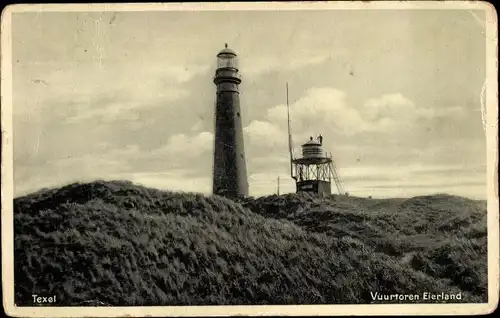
[(238, 114), (227, 61)]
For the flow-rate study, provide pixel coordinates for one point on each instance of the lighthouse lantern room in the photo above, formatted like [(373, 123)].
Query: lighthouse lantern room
[(227, 58)]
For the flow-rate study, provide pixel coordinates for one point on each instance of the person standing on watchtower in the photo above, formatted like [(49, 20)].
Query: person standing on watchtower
[(320, 139)]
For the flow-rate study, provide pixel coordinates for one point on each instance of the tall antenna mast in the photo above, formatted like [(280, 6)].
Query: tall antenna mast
[(290, 148)]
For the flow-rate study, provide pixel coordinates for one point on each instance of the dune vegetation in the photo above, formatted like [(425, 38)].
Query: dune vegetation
[(116, 243)]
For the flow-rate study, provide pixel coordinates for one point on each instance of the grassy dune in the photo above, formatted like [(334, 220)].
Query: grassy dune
[(116, 243)]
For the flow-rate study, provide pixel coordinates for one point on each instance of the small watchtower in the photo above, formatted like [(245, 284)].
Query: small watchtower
[(313, 171)]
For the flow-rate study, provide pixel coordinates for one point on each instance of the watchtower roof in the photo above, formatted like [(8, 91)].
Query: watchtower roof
[(311, 143)]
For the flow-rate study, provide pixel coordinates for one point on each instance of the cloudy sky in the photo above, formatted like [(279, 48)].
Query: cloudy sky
[(129, 95)]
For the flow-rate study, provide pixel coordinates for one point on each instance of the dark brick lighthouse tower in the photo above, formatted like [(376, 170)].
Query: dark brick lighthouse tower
[(229, 167)]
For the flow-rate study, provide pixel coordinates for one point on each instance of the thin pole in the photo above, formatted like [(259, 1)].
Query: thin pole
[(289, 134), (278, 185)]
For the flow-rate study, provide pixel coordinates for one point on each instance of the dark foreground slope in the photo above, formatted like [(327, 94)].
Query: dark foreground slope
[(120, 244)]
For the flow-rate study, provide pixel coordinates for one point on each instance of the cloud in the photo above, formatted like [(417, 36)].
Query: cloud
[(327, 109), (320, 110), (319, 107), (457, 112), (167, 165), (265, 134), (132, 92), (182, 144), (390, 112), (407, 171), (104, 164), (185, 145), (388, 105), (256, 65), (266, 183), (173, 180), (116, 110), (109, 92), (197, 126), (410, 179)]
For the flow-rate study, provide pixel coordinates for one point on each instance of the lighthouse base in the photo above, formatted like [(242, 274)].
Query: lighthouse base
[(318, 187)]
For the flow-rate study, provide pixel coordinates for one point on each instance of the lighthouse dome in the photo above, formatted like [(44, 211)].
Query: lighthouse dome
[(226, 51)]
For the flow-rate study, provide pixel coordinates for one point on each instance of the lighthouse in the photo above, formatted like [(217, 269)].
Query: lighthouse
[(229, 164)]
